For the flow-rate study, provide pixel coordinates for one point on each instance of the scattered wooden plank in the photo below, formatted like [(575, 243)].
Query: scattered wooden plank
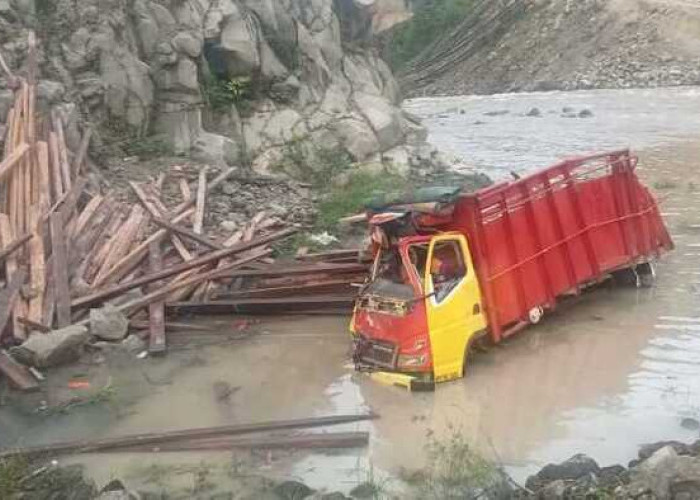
[(201, 201), (86, 215), (62, 152), (263, 306), (37, 267), (156, 310), (324, 286), (333, 440), (60, 270), (11, 268), (186, 233), (171, 271), (160, 181), (134, 306), (43, 180), (113, 443), (300, 270), (123, 239), (18, 374), (9, 295), (57, 181)]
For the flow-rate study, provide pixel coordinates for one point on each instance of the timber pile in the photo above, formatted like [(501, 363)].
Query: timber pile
[(65, 250)]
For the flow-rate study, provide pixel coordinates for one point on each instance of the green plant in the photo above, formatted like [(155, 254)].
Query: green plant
[(354, 195), (12, 472), (430, 21), (456, 471), (222, 93), (309, 163)]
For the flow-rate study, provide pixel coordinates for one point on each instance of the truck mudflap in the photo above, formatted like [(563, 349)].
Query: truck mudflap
[(411, 382)]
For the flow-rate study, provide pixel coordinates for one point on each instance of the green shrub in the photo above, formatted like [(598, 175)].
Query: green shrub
[(222, 93)]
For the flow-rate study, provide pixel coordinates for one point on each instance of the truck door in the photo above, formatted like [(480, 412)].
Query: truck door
[(453, 304)]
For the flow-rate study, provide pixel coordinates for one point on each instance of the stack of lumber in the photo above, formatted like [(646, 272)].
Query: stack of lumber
[(66, 248)]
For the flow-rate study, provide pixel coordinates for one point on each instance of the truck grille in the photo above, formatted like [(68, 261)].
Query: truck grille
[(376, 353)]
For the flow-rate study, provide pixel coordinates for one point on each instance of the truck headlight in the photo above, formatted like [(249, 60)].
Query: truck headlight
[(411, 360)]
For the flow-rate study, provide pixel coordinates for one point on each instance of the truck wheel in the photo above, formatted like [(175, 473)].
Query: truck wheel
[(535, 315), (646, 275)]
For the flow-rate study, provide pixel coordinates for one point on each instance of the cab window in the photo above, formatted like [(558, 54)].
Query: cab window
[(447, 268)]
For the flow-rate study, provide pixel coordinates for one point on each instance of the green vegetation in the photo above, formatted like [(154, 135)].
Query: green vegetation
[(455, 470), (122, 138), (314, 164), (352, 197), (12, 472), (222, 93), (431, 20)]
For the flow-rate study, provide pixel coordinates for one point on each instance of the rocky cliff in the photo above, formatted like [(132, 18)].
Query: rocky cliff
[(227, 81)]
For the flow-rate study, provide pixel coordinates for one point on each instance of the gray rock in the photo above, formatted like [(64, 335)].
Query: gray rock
[(534, 112), (357, 137), (384, 119), (49, 91), (553, 491), (108, 323), (585, 113), (666, 473), (239, 44), (292, 490), (573, 468), (215, 149), (229, 226), (187, 43), (45, 350)]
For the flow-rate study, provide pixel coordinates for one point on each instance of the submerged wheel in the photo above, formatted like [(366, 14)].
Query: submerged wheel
[(646, 275)]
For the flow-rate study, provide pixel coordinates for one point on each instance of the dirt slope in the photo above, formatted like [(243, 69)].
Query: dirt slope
[(520, 45)]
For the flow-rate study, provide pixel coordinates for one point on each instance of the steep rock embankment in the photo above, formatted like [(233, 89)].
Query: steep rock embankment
[(524, 45), (222, 80)]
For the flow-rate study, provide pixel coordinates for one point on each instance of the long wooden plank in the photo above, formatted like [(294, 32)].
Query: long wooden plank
[(60, 270), (43, 181), (112, 291), (186, 233), (263, 306), (107, 444), (81, 155), (300, 270), (160, 294), (201, 202), (8, 297), (123, 239), (156, 310), (57, 181), (37, 266), (18, 374), (62, 151), (181, 212), (11, 269), (317, 440), (86, 215)]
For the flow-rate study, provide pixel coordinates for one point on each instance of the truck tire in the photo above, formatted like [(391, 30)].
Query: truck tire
[(646, 274)]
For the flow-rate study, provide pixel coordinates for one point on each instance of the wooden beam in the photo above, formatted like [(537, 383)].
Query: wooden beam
[(9, 295), (37, 266), (18, 374), (160, 294), (112, 291), (201, 201), (60, 270), (81, 155), (156, 310), (113, 443), (57, 181), (11, 269), (122, 240), (62, 152), (181, 212), (264, 306), (186, 233), (33, 325)]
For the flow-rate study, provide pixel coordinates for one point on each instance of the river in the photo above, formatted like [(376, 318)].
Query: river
[(609, 371)]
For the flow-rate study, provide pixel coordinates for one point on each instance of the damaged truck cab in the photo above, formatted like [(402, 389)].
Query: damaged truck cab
[(453, 268)]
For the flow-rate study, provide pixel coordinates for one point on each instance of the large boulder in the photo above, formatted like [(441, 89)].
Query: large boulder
[(357, 137), (215, 149), (238, 46), (666, 475), (384, 118), (45, 350), (574, 468)]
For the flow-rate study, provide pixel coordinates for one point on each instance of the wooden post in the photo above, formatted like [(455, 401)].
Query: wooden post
[(60, 270), (201, 201), (156, 310), (37, 266)]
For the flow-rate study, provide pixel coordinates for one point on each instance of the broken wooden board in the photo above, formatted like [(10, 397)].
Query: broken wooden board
[(156, 310), (18, 374), (60, 270)]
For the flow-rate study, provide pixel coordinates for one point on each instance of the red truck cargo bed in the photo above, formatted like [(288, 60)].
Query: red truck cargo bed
[(551, 232)]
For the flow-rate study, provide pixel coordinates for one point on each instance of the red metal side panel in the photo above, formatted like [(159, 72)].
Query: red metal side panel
[(549, 233)]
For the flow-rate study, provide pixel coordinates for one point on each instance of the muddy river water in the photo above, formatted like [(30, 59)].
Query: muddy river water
[(610, 370)]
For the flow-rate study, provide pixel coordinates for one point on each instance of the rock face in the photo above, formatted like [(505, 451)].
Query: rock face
[(223, 80)]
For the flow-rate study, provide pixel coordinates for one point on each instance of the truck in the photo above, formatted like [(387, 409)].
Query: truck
[(452, 268)]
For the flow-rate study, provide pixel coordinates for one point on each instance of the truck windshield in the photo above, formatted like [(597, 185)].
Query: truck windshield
[(391, 278)]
